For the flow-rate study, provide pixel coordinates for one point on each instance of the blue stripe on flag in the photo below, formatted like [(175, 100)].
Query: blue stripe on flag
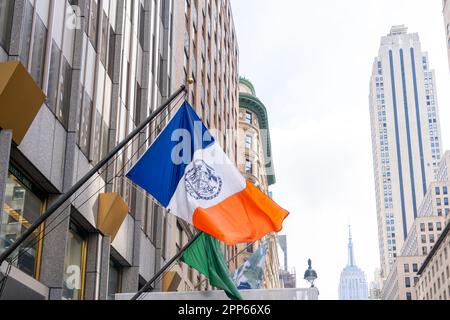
[(155, 172)]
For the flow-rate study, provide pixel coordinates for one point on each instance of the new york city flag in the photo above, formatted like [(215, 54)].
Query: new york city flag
[(187, 172)]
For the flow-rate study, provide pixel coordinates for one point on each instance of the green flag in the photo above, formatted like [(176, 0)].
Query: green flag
[(206, 256)]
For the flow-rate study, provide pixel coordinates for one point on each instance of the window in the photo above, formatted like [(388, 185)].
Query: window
[(408, 296), (438, 191), (248, 118), (114, 279), (85, 125), (53, 80), (38, 57), (105, 38), (438, 226), (248, 142), (406, 268), (407, 282), (62, 112), (415, 267), (74, 265), (422, 227), (179, 241), (424, 238), (438, 201), (445, 201), (424, 251), (93, 23), (248, 166), (22, 207), (6, 15), (431, 238), (430, 226), (25, 39), (445, 190)]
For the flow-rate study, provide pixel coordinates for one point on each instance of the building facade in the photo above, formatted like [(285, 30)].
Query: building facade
[(400, 282), (422, 237), (434, 281), (402, 279), (375, 286), (104, 66), (254, 160), (353, 282), (406, 137)]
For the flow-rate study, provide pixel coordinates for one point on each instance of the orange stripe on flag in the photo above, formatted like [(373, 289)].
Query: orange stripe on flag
[(246, 216)]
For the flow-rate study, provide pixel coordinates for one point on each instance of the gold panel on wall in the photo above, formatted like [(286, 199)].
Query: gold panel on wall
[(20, 99), (112, 211), (170, 282)]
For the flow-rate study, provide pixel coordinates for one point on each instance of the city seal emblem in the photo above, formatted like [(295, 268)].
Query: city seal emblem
[(202, 182)]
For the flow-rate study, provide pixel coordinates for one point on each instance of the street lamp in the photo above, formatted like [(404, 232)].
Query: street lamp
[(310, 274)]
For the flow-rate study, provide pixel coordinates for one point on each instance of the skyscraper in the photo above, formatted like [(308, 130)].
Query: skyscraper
[(406, 137), (353, 284)]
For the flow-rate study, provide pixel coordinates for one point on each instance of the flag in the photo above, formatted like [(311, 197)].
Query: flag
[(187, 172), (250, 274), (205, 256)]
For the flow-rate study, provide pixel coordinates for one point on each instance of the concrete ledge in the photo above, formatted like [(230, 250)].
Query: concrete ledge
[(21, 286), (273, 294)]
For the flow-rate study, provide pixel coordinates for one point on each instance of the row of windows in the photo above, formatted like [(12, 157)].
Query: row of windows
[(437, 276), (431, 226)]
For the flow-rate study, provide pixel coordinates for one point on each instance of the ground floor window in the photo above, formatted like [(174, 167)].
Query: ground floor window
[(75, 264), (23, 205), (114, 279)]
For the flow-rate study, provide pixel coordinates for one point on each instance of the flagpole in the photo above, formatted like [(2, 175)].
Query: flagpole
[(148, 286), (63, 198)]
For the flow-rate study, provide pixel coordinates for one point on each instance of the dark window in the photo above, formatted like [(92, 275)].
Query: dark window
[(407, 282), (65, 88), (112, 48), (114, 279), (6, 15), (25, 39), (406, 268), (105, 39), (93, 23), (53, 79), (38, 57), (85, 125), (142, 26)]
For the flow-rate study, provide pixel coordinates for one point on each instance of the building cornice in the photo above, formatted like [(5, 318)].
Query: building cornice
[(253, 104)]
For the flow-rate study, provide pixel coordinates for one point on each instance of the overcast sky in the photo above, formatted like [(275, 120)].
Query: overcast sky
[(310, 62)]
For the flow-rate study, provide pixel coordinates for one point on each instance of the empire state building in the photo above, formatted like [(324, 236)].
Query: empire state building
[(353, 284)]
